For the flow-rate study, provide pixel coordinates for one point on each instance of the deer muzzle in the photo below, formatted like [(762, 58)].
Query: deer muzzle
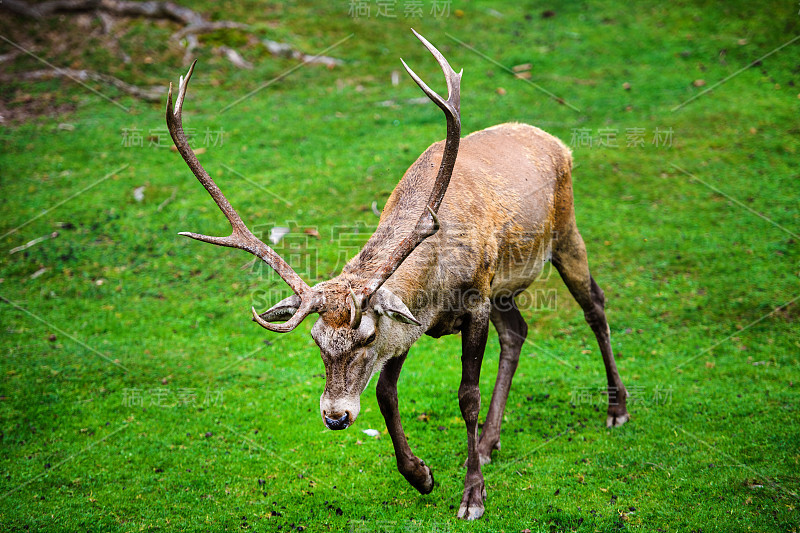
[(339, 413)]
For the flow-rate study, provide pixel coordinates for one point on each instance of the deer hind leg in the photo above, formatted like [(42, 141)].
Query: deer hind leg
[(512, 331), (412, 467), (569, 258)]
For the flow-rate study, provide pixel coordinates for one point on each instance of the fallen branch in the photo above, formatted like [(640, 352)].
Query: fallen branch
[(43, 9), (168, 10), (284, 50), (34, 242), (39, 272), (206, 27), (13, 54), (235, 58), (190, 42), (194, 24), (151, 94), (194, 21)]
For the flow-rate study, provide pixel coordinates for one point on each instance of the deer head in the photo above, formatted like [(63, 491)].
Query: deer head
[(361, 324)]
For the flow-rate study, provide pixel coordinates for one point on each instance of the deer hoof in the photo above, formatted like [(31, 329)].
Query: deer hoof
[(472, 503), (427, 486), (420, 477), (617, 420)]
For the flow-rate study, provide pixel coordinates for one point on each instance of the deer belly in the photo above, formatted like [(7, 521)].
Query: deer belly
[(519, 266)]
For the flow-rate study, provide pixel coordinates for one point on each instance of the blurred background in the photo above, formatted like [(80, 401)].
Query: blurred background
[(135, 392)]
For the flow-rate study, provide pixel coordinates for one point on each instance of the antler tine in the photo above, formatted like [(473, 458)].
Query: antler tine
[(241, 237), (309, 305), (452, 78), (428, 222)]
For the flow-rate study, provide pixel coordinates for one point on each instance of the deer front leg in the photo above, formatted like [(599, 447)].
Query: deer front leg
[(473, 344), (412, 467)]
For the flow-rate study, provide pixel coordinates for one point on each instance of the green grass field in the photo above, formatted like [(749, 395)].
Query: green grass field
[(137, 395)]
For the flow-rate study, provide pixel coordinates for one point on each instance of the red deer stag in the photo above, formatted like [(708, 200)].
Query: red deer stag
[(438, 264)]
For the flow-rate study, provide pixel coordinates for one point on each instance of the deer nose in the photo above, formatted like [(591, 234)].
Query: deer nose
[(339, 423)]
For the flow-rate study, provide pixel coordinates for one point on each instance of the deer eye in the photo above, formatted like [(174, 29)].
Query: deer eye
[(371, 338)]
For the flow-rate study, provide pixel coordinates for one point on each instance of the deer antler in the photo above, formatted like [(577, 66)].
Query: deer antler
[(428, 223), (240, 236)]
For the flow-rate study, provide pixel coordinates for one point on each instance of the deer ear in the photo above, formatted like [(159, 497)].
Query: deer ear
[(388, 304), (283, 310)]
